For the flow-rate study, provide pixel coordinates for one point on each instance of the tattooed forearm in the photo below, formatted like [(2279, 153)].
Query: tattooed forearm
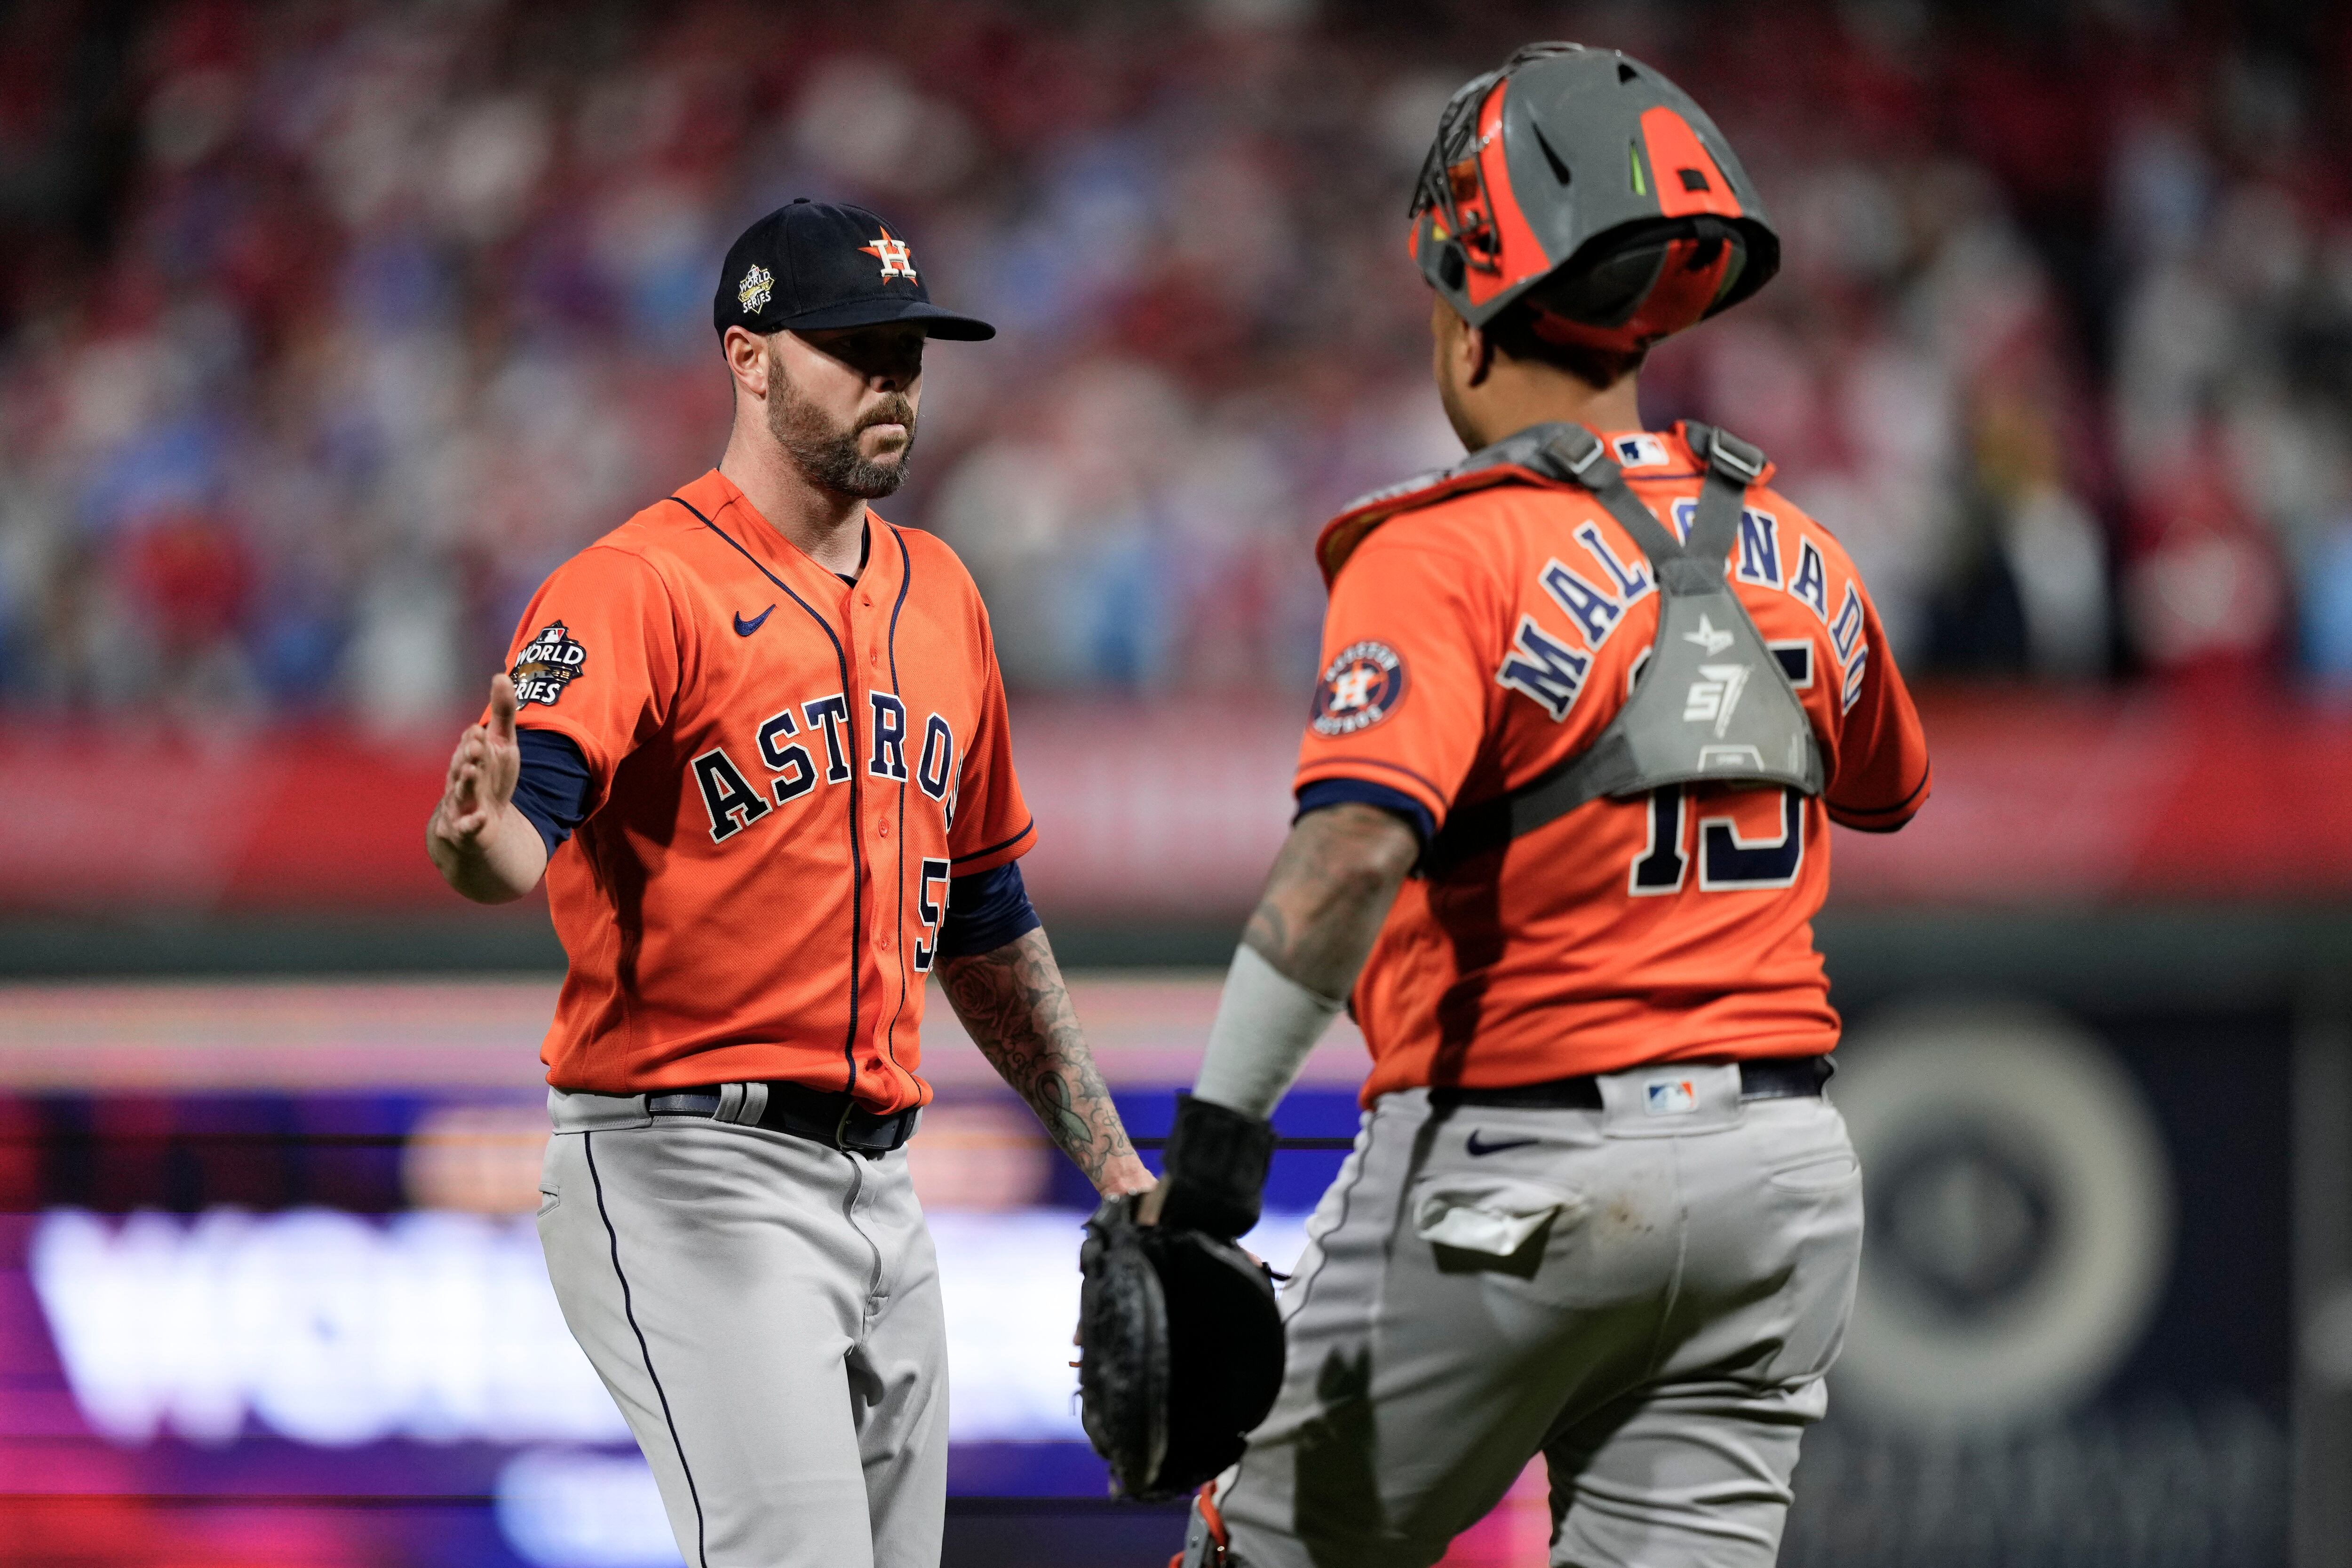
[(1016, 1009), (1328, 893)]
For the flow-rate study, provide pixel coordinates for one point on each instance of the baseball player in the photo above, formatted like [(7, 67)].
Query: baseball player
[(1590, 701), (756, 740)]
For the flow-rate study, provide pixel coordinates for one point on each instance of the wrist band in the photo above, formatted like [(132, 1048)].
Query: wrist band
[(1267, 1023), (1215, 1167)]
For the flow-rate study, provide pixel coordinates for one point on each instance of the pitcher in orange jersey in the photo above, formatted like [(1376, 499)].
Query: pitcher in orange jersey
[(756, 741), (1591, 700)]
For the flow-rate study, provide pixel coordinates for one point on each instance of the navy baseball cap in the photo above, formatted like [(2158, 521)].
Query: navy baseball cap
[(812, 265)]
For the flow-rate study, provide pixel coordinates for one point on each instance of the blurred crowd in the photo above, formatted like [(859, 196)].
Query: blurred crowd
[(328, 329)]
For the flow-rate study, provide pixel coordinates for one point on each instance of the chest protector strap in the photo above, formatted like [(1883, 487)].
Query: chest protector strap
[(1711, 703)]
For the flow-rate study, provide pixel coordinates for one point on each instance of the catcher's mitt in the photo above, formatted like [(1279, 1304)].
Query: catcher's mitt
[(1180, 1351)]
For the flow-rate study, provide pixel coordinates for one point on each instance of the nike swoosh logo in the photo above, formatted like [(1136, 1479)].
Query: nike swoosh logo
[(745, 628), (1477, 1148)]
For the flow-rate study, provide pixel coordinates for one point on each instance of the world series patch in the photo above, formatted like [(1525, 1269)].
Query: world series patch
[(548, 663), (1361, 688), (759, 285)]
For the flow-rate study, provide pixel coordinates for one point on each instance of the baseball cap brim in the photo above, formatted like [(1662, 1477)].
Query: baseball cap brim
[(936, 322)]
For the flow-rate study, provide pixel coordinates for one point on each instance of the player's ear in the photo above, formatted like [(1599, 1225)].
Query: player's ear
[(1463, 354), (1478, 353), (748, 360)]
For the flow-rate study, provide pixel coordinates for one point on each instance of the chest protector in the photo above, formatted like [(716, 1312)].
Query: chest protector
[(1711, 703)]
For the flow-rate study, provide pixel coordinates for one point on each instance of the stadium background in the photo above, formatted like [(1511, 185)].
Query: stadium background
[(327, 330)]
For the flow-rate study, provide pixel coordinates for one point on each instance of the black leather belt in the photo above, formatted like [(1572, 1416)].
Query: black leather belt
[(1762, 1078), (831, 1119)]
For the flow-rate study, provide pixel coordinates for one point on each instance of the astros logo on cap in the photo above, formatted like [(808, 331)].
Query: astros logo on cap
[(897, 261), (1361, 688)]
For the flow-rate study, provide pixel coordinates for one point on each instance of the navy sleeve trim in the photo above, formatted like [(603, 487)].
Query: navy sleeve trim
[(1364, 792), (985, 911), (554, 786), (1879, 819), (1375, 762), (999, 844)]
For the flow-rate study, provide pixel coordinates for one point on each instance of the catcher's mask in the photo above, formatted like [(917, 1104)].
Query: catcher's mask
[(1593, 188), (1180, 1351)]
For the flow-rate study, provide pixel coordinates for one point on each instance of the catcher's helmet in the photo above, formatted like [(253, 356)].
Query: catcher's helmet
[(1593, 188)]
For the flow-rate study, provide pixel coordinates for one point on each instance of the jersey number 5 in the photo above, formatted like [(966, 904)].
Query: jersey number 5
[(931, 873), (1728, 861)]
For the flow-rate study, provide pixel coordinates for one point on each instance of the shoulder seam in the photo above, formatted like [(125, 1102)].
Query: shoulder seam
[(669, 590), (1386, 535)]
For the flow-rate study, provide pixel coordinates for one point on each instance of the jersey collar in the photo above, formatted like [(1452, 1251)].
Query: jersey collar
[(722, 500), (1665, 454)]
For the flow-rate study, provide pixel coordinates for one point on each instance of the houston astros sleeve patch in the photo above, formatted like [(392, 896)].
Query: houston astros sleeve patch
[(1361, 688)]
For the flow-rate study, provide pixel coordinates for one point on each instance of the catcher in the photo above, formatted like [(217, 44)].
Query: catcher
[(1591, 700)]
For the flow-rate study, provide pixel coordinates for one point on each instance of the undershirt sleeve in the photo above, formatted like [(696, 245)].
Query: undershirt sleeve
[(985, 911), (554, 786)]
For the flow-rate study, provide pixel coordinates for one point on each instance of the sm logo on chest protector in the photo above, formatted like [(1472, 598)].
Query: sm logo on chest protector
[(800, 747)]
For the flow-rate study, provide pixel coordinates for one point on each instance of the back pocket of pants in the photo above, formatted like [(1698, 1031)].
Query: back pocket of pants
[(1492, 1216), (551, 1186)]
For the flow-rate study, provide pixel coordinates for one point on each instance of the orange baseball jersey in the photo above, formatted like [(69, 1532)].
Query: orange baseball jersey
[(1481, 637), (788, 770)]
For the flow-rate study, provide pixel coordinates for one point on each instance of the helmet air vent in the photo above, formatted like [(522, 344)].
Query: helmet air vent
[(1626, 73), (1559, 171)]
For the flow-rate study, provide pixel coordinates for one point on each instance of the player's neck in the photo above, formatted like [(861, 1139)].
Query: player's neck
[(825, 524), (1514, 396)]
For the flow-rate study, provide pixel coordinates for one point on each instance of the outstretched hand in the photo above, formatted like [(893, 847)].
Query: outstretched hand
[(482, 772), (483, 847)]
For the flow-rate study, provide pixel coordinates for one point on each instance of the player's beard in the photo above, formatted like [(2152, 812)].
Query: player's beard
[(828, 456)]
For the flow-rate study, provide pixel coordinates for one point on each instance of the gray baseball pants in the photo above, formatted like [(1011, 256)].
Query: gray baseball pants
[(766, 1313), (1648, 1295)]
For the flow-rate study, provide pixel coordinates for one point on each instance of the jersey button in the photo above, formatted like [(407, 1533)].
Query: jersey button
[(885, 830)]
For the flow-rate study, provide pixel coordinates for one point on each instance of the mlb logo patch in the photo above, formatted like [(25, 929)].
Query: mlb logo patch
[(1639, 451), (1671, 1096)]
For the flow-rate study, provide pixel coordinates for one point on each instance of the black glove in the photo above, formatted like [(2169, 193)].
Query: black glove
[(1180, 1350), (1215, 1168)]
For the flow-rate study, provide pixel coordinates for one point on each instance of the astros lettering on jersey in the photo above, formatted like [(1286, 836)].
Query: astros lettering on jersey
[(1474, 640), (788, 770)]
